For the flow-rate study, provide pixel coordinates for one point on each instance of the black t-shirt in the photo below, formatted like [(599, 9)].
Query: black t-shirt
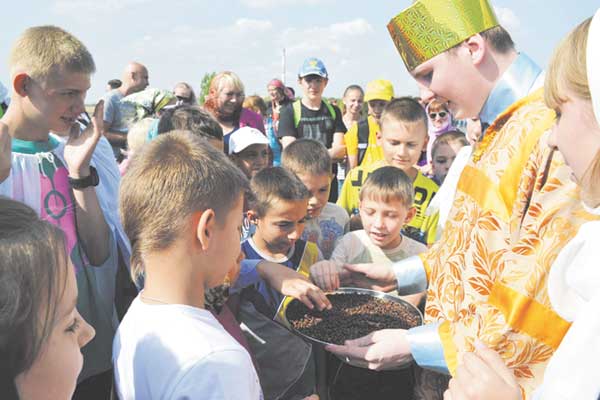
[(314, 124)]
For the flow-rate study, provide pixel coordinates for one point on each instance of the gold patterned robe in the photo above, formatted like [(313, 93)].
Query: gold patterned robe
[(516, 206)]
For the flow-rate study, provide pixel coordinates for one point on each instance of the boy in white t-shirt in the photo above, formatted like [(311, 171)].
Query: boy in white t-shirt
[(386, 200), (327, 222), (180, 204)]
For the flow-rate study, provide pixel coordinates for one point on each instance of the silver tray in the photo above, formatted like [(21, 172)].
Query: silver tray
[(372, 293)]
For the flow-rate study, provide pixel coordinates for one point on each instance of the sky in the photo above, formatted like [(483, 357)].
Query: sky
[(181, 40)]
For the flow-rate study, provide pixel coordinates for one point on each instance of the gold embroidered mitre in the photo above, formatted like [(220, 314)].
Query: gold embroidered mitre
[(430, 27)]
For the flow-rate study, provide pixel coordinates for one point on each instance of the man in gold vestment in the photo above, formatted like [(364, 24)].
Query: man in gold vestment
[(515, 207)]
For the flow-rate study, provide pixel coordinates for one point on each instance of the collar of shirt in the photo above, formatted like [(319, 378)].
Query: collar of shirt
[(518, 81)]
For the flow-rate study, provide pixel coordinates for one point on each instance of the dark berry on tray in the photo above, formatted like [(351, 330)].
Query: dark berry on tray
[(352, 315)]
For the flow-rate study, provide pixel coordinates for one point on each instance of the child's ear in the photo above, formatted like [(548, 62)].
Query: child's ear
[(410, 215), (379, 137), (21, 84), (252, 217), (205, 228)]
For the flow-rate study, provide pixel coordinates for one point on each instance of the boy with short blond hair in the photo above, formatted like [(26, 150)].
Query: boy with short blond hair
[(309, 160), (386, 205), (68, 183), (402, 137), (180, 203), (443, 152)]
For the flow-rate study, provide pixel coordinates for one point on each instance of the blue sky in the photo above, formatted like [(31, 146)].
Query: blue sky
[(180, 40)]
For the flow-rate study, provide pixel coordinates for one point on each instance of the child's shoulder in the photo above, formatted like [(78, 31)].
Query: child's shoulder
[(423, 181), (332, 210), (364, 170), (176, 326), (412, 247)]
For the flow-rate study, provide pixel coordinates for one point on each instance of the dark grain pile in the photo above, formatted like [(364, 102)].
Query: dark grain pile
[(352, 316)]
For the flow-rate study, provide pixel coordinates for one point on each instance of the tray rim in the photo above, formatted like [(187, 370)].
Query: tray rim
[(351, 290)]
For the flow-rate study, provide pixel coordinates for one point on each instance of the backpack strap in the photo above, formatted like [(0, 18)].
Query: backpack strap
[(363, 138), (330, 108), (297, 107)]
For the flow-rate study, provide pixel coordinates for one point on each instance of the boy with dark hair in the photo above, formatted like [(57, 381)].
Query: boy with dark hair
[(194, 119), (402, 137), (313, 117), (311, 163), (278, 210)]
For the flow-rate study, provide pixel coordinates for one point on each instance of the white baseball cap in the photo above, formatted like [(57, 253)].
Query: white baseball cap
[(244, 137)]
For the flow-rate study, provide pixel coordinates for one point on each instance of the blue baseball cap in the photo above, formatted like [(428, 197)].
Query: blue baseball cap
[(312, 66)]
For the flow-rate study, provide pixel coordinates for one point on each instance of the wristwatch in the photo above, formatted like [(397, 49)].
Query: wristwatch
[(81, 183)]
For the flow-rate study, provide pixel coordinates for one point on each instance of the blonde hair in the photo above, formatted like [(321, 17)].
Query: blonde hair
[(386, 184), (138, 134), (448, 138), (216, 85), (174, 176), (568, 68), (45, 50), (568, 71)]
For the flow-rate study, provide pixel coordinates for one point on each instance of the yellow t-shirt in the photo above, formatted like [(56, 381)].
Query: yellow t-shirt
[(373, 152), (422, 227)]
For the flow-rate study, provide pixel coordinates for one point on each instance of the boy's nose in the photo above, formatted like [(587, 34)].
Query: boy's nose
[(87, 333), (295, 234)]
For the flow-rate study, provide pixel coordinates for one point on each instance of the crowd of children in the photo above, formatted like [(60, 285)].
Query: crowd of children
[(166, 276)]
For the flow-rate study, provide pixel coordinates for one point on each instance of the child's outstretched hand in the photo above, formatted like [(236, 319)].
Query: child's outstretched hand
[(81, 145), (5, 152), (291, 283), (325, 274), (483, 375)]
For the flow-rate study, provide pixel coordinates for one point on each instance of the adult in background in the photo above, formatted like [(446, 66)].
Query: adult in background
[(113, 84), (185, 94), (118, 116), (279, 98), (224, 101)]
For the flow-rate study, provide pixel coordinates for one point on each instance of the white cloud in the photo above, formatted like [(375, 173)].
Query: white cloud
[(278, 3), (507, 18), (356, 27), (333, 38), (253, 25)]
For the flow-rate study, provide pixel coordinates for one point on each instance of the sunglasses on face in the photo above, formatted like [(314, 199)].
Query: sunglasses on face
[(183, 100), (441, 114)]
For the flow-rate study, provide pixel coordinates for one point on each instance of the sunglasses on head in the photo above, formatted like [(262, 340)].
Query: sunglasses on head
[(442, 114)]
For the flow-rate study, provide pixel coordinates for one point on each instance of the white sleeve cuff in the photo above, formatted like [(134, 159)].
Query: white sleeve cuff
[(426, 347), (410, 276)]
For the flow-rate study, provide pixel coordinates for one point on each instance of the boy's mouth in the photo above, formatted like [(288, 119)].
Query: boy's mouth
[(313, 211), (378, 236)]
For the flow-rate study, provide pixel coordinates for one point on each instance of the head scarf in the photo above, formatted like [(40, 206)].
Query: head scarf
[(435, 132)]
